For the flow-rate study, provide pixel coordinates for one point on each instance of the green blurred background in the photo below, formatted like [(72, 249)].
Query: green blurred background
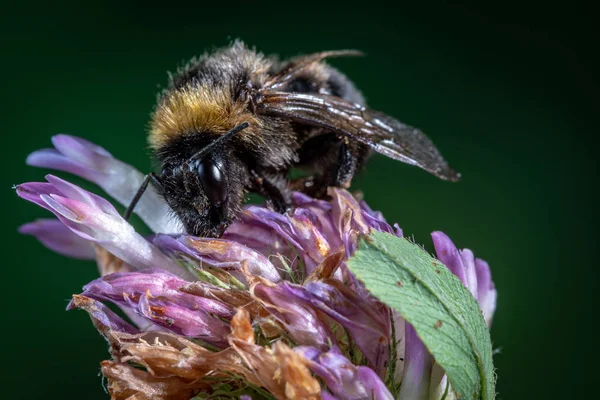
[(508, 93)]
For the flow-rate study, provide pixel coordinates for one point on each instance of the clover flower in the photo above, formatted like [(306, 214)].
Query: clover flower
[(270, 310)]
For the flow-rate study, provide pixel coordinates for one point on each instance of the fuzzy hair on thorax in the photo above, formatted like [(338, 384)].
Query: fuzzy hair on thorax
[(202, 97)]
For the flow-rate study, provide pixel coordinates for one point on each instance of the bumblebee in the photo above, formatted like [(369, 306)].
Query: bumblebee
[(235, 121)]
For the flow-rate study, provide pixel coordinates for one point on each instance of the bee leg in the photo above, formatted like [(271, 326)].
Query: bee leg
[(274, 189), (138, 195), (348, 163), (346, 158)]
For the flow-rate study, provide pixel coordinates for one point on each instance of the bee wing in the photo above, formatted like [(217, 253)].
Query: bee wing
[(382, 133), (291, 69)]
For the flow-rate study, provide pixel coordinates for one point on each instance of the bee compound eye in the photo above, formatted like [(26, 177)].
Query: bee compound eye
[(213, 181)]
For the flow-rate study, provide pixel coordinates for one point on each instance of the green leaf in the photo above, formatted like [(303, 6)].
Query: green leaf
[(443, 312)]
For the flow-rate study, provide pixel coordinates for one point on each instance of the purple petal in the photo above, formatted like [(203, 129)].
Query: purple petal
[(40, 193), (267, 242), (191, 323), (343, 204), (418, 364), (256, 236), (400, 343), (468, 260), (315, 245), (299, 233), (345, 380), (378, 215), (375, 388), (375, 219), (57, 237), (377, 224), (310, 231), (486, 293), (103, 317), (82, 151), (120, 180), (53, 159), (300, 320), (366, 320), (157, 296), (320, 214), (74, 192), (473, 273), (94, 219), (338, 373), (220, 253), (398, 230), (279, 223), (115, 284), (31, 191), (448, 254), (303, 200), (348, 218)]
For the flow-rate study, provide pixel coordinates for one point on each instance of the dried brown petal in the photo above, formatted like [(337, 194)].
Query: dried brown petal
[(280, 370), (127, 383), (294, 373), (241, 327), (326, 268), (176, 368)]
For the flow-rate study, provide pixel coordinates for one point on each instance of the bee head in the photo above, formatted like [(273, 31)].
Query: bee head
[(198, 192), (205, 190)]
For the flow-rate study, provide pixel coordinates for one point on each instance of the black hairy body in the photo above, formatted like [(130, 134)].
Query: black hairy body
[(235, 121)]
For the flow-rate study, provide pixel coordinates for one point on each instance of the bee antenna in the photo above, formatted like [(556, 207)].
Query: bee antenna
[(215, 143)]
